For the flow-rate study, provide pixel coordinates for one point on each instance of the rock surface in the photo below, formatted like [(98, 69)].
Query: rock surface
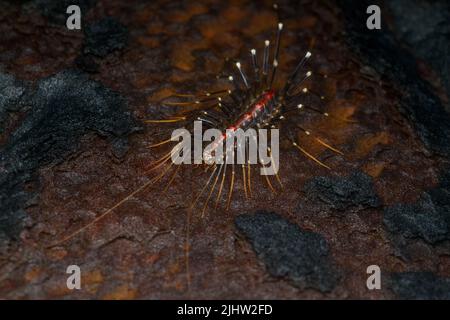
[(428, 218), (64, 108), (288, 251), (105, 36)]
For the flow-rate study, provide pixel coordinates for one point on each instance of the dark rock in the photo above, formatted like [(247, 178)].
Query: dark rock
[(356, 190), (55, 11), (289, 251), (444, 179), (423, 219), (425, 27), (380, 50), (420, 285), (105, 36), (65, 107), (119, 147), (86, 62), (11, 93), (428, 218)]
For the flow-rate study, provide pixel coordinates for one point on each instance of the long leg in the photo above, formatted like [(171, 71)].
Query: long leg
[(265, 67), (172, 120), (171, 179), (249, 183), (255, 70)]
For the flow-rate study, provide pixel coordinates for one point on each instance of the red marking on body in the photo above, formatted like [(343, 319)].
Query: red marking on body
[(258, 106)]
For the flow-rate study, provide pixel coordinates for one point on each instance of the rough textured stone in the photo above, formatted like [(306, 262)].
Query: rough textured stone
[(425, 27), (344, 192), (65, 107), (289, 251), (428, 218), (11, 93), (105, 36), (419, 285), (87, 63), (379, 49), (139, 250)]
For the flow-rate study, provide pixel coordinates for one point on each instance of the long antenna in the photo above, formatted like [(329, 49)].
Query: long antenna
[(295, 73), (266, 60), (244, 78), (277, 51)]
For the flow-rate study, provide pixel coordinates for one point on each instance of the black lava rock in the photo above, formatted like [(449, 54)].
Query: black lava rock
[(11, 94), (105, 36), (420, 285), (64, 107), (380, 50), (289, 251), (427, 219), (356, 190)]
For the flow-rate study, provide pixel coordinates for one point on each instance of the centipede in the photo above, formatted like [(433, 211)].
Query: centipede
[(251, 98)]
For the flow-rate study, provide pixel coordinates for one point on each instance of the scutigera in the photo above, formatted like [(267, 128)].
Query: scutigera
[(274, 103)]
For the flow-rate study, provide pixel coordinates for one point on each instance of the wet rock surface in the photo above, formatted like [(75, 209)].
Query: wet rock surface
[(288, 251), (69, 152), (344, 192)]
